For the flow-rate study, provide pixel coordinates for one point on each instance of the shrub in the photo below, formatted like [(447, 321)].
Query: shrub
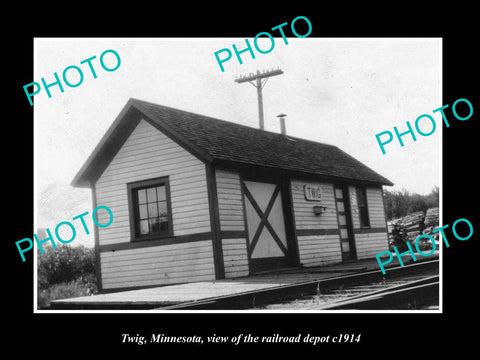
[(65, 272), (65, 264)]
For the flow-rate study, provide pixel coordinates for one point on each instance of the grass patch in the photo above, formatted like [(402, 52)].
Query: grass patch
[(65, 290)]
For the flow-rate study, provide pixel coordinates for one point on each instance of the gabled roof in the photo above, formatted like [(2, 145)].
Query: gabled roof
[(213, 140)]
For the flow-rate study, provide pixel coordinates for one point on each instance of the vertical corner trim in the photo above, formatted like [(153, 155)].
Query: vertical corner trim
[(385, 215), (215, 222), (98, 268), (292, 223)]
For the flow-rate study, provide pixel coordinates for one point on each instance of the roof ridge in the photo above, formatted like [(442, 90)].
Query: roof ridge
[(135, 100), (187, 112), (222, 140)]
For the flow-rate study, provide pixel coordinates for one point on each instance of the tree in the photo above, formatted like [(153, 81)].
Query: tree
[(433, 199), (400, 203)]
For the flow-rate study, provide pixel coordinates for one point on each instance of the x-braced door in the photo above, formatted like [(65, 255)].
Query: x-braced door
[(268, 245)]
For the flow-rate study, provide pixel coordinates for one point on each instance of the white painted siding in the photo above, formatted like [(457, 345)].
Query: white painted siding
[(230, 206), (319, 250), (147, 154), (370, 244), (303, 209), (159, 265), (376, 211), (230, 203), (235, 257), (316, 250)]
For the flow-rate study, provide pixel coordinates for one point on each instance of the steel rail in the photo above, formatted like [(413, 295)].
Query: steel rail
[(251, 299), (422, 291)]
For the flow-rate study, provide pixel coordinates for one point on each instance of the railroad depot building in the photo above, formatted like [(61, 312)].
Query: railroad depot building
[(198, 199)]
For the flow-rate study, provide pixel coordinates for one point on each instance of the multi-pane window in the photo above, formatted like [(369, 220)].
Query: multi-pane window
[(150, 208), (362, 207)]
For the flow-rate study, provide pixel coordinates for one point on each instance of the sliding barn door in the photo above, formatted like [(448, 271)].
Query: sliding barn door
[(267, 236)]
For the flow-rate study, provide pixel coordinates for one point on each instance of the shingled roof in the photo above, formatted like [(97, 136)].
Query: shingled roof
[(212, 140)]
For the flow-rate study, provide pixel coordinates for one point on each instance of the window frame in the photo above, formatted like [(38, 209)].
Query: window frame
[(133, 208), (366, 222)]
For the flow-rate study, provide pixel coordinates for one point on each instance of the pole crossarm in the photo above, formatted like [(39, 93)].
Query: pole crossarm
[(258, 75), (259, 84)]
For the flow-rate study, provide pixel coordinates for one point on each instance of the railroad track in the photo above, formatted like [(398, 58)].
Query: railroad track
[(408, 287), (410, 295), (405, 294)]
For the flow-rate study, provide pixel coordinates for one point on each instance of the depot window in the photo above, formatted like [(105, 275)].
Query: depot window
[(150, 210), (362, 207)]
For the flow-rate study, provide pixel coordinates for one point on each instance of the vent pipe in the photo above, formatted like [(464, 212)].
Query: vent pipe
[(283, 130)]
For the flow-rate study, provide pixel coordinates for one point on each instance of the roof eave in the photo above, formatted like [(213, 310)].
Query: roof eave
[(83, 176), (244, 166), (117, 134)]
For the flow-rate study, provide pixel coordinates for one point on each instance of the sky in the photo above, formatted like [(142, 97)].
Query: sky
[(338, 91)]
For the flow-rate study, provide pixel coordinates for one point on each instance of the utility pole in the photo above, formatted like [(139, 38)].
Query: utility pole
[(259, 84)]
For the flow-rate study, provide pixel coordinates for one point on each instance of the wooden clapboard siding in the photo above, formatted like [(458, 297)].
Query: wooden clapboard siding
[(235, 257), (370, 244), (230, 205), (147, 154), (376, 210), (303, 209), (159, 265), (230, 209), (318, 250)]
